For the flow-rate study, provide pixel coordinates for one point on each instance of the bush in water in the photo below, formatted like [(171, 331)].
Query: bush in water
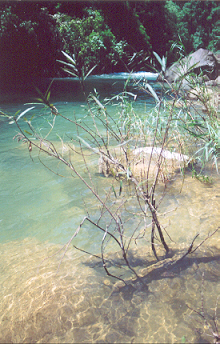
[(159, 143)]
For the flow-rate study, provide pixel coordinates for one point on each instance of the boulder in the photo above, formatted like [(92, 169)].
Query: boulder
[(201, 60), (215, 82), (157, 151), (140, 158), (205, 98)]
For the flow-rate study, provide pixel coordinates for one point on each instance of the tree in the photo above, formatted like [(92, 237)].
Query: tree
[(30, 42), (152, 16), (126, 25), (195, 23), (91, 41)]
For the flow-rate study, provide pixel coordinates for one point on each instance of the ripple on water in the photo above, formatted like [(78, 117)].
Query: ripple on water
[(76, 304)]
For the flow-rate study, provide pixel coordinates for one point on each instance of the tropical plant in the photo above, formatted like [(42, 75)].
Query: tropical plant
[(90, 40), (29, 40), (187, 20)]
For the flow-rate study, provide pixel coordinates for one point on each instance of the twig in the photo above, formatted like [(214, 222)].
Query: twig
[(209, 236)]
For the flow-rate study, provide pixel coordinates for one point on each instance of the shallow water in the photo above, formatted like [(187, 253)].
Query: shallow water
[(76, 302)]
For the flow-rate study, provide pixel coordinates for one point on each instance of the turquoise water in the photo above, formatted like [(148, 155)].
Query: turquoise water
[(34, 201), (78, 303)]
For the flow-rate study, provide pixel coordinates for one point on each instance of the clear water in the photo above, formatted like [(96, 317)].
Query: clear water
[(40, 211)]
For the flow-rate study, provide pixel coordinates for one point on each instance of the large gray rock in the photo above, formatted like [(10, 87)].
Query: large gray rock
[(201, 60), (143, 163), (215, 82)]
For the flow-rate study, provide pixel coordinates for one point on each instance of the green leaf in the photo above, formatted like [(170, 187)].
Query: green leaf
[(127, 81), (68, 64), (27, 132), (48, 95), (164, 62), (128, 173), (71, 73), (113, 189), (48, 89), (90, 71), (150, 88), (141, 183), (183, 339), (40, 93), (69, 58), (120, 189), (158, 58), (35, 103), (98, 102), (24, 112)]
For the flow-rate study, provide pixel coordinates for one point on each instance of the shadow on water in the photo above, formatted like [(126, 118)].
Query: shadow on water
[(150, 270), (79, 303), (69, 89)]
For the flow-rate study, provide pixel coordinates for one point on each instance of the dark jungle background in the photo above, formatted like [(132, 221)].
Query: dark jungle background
[(115, 36)]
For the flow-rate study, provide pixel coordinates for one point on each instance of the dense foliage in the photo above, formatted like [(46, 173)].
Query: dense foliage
[(91, 41), (195, 22), (30, 42), (106, 34)]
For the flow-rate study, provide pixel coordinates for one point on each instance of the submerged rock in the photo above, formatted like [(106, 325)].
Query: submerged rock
[(143, 163), (164, 153)]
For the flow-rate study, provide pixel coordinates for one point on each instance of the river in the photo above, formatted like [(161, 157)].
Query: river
[(78, 303)]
